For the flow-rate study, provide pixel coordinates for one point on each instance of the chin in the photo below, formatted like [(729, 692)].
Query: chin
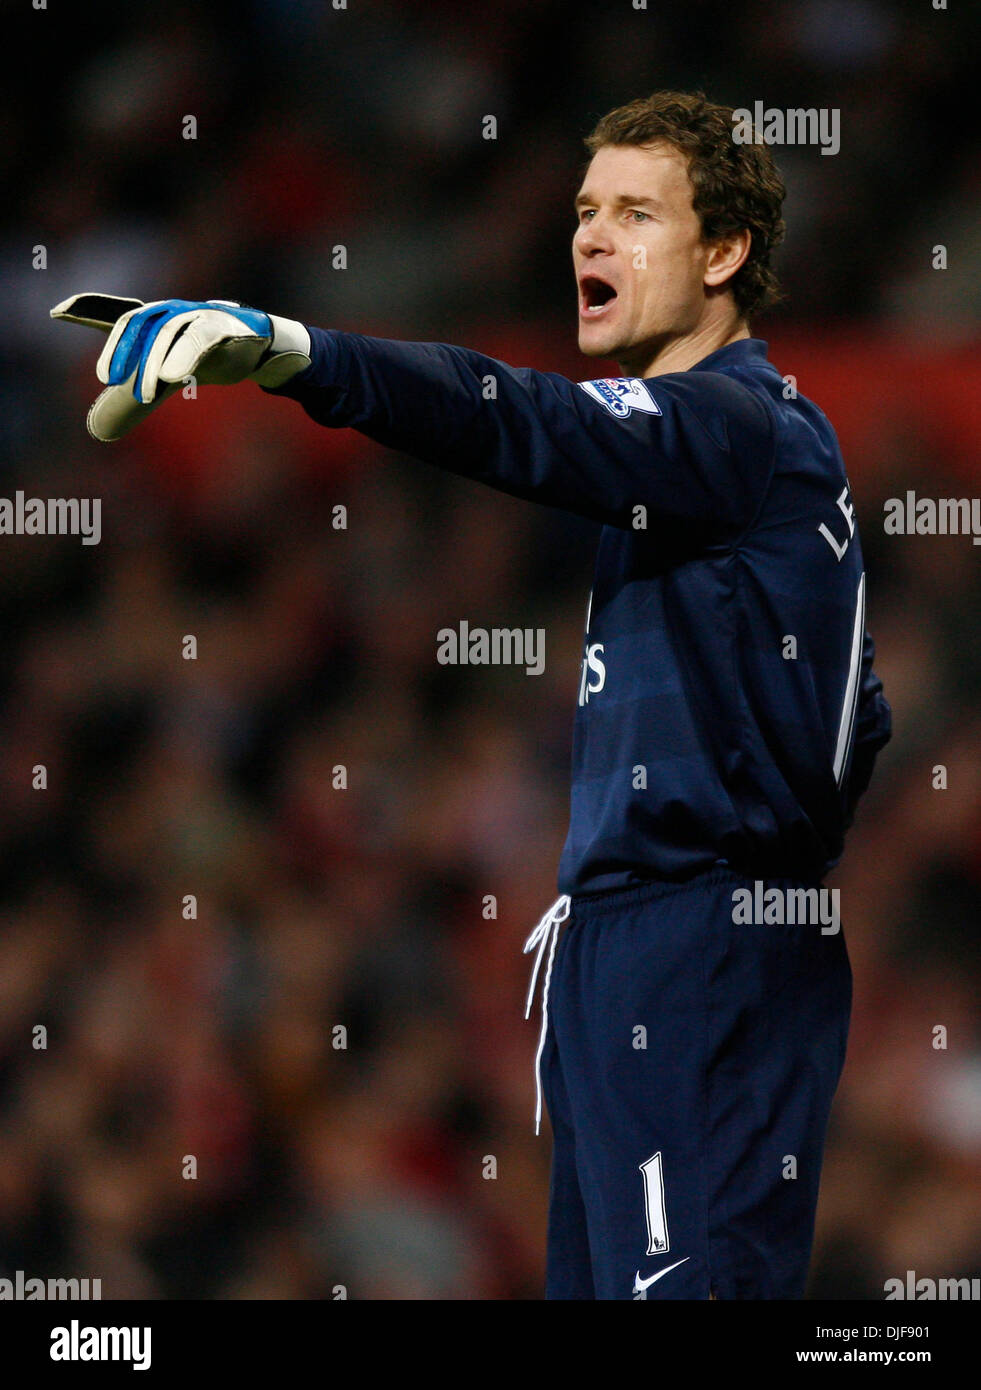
[(590, 347)]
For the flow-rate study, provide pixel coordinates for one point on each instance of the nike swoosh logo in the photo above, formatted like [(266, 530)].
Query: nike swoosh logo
[(641, 1284)]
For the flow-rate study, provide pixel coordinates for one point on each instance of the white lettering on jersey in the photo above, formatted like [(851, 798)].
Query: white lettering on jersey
[(592, 665), (848, 512)]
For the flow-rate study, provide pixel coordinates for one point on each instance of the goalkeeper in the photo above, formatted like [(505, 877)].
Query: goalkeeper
[(728, 715)]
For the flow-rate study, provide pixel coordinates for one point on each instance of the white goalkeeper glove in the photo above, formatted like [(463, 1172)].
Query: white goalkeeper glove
[(153, 348)]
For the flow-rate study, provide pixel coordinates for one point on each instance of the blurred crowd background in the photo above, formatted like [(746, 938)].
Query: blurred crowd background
[(320, 908)]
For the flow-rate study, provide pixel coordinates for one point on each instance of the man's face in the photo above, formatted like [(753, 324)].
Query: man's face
[(638, 254)]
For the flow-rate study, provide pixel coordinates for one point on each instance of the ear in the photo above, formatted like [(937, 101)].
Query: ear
[(725, 256)]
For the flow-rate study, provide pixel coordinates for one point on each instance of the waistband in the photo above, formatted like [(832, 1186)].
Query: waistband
[(628, 895)]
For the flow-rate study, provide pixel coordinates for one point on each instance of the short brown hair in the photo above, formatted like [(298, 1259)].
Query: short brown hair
[(734, 186)]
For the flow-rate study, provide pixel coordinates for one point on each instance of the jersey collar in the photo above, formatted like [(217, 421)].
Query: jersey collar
[(742, 350)]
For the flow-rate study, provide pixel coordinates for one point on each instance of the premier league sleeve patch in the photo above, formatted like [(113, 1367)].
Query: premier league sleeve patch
[(621, 395)]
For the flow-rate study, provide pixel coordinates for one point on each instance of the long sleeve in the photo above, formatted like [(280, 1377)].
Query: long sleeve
[(691, 447)]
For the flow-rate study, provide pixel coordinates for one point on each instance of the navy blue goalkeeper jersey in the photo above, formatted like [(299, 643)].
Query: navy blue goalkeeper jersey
[(727, 707)]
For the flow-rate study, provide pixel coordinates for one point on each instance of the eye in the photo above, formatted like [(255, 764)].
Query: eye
[(585, 214), (636, 212)]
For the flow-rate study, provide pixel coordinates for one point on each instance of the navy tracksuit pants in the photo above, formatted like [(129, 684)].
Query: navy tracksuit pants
[(688, 1068)]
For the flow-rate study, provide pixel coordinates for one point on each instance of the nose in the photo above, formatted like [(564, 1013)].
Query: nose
[(593, 236)]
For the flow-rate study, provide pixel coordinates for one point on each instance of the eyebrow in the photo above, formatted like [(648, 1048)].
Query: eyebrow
[(623, 200)]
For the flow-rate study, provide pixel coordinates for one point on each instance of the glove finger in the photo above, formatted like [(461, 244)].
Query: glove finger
[(116, 411), (215, 348), (108, 370), (94, 310), (156, 349), (132, 355), (125, 350), (189, 310)]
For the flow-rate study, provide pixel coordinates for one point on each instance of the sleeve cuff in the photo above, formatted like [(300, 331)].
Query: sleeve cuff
[(320, 372)]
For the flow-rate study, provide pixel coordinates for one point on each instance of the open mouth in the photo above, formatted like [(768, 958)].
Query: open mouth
[(595, 296)]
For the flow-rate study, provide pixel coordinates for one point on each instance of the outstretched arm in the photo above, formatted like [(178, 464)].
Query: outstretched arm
[(692, 447)]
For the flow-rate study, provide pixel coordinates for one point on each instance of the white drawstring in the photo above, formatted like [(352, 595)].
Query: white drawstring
[(546, 934)]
